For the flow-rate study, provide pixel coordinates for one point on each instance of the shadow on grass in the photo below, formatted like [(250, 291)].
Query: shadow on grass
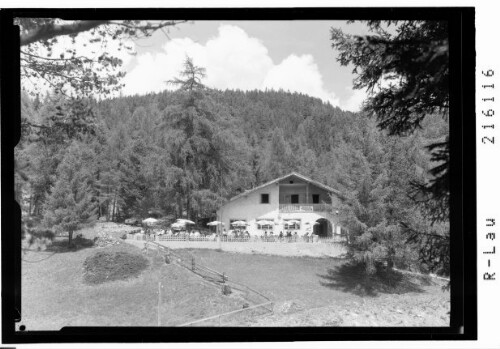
[(352, 278), (60, 245)]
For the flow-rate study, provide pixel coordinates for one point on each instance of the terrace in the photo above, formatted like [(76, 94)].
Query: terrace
[(303, 208)]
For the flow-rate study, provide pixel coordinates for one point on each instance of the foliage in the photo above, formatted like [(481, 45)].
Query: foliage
[(106, 266), (68, 70), (403, 65), (201, 149), (71, 205), (182, 153)]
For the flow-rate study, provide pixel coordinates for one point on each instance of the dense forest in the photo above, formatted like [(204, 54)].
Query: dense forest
[(182, 153)]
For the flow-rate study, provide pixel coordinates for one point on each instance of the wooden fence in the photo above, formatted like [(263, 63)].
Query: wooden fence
[(273, 239), (188, 261)]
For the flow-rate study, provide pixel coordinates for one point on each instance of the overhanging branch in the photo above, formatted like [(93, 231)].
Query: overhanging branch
[(50, 31)]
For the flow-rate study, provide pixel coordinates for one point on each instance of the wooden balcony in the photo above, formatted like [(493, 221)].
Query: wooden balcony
[(304, 208)]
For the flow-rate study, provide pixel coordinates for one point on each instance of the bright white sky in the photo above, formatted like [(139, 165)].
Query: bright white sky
[(291, 55)]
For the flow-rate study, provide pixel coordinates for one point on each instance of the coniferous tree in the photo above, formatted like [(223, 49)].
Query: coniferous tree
[(71, 204), (202, 150)]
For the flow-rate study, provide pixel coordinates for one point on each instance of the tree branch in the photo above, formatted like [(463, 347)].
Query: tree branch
[(56, 59), (50, 31)]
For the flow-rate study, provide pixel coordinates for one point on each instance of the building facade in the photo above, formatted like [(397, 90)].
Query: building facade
[(290, 203)]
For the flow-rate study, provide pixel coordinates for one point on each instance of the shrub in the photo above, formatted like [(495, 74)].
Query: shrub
[(113, 265), (40, 233)]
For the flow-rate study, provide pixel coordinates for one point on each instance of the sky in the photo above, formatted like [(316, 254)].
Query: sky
[(295, 56), (289, 55)]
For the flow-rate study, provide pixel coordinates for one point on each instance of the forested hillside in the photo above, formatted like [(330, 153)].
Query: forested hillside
[(183, 153)]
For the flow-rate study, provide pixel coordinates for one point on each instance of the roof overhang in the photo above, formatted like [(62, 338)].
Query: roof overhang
[(278, 180)]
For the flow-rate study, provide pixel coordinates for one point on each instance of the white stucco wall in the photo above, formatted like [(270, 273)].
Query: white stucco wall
[(250, 209)]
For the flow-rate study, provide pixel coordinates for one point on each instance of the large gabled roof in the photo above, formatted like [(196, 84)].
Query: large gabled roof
[(295, 174)]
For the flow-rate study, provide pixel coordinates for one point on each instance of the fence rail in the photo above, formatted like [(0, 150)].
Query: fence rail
[(273, 239), (188, 261), (304, 207)]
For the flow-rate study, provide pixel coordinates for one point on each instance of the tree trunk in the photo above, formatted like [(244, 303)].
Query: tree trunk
[(70, 238), (188, 206), (179, 206), (114, 207), (99, 212), (31, 203), (390, 264)]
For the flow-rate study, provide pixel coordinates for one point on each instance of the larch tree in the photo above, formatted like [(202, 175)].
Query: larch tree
[(203, 149)]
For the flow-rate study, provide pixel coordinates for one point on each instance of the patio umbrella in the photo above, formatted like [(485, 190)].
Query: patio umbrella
[(178, 225), (214, 223), (239, 223), (184, 221), (264, 222), (150, 221)]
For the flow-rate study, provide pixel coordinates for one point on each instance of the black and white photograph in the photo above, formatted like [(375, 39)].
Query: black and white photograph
[(242, 173)]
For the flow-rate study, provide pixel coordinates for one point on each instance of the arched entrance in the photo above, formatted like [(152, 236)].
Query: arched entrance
[(323, 228)]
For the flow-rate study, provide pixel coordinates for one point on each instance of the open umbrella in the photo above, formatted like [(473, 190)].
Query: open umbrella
[(184, 221), (150, 221), (264, 222), (239, 223), (177, 225), (214, 223)]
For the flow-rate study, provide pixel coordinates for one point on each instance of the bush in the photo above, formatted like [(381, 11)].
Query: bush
[(41, 233), (113, 265)]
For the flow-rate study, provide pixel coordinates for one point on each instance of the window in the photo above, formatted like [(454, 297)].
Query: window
[(295, 199), (315, 198), (264, 198), (264, 226)]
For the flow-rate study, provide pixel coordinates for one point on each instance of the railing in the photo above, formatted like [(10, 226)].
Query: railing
[(257, 302), (303, 207), (276, 239)]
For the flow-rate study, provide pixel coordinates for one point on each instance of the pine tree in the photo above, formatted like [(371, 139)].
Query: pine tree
[(71, 204)]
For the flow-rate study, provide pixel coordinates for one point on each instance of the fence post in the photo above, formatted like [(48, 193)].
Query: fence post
[(192, 264), (223, 278), (159, 301)]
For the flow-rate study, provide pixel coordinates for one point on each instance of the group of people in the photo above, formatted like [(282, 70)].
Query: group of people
[(235, 234), (287, 236), (282, 237)]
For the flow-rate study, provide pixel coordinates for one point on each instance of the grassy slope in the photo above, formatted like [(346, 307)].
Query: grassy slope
[(54, 294), (332, 295)]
